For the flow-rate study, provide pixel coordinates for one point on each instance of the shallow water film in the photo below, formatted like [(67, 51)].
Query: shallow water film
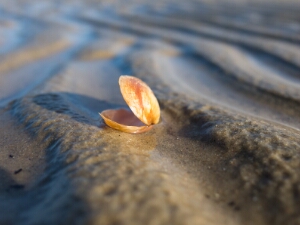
[(227, 78)]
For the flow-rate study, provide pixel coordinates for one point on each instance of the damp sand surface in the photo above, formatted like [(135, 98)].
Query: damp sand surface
[(226, 75)]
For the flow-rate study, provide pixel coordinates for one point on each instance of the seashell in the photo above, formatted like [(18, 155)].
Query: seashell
[(144, 107)]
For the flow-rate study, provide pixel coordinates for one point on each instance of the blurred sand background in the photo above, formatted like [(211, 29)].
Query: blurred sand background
[(227, 77)]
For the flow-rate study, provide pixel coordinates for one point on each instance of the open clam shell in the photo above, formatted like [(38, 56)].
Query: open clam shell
[(141, 100), (123, 120)]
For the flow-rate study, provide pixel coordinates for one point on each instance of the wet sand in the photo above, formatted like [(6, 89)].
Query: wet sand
[(226, 75)]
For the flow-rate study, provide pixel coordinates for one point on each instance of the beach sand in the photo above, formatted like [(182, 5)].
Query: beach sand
[(227, 78)]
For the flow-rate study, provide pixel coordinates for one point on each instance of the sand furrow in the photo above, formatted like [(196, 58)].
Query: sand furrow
[(231, 59), (248, 149), (95, 167)]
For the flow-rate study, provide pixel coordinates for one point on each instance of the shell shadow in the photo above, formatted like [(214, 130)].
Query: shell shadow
[(82, 108)]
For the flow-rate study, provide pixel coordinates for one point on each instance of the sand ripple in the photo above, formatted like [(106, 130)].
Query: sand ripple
[(227, 77)]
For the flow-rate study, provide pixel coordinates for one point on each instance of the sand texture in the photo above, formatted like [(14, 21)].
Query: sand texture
[(227, 78)]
